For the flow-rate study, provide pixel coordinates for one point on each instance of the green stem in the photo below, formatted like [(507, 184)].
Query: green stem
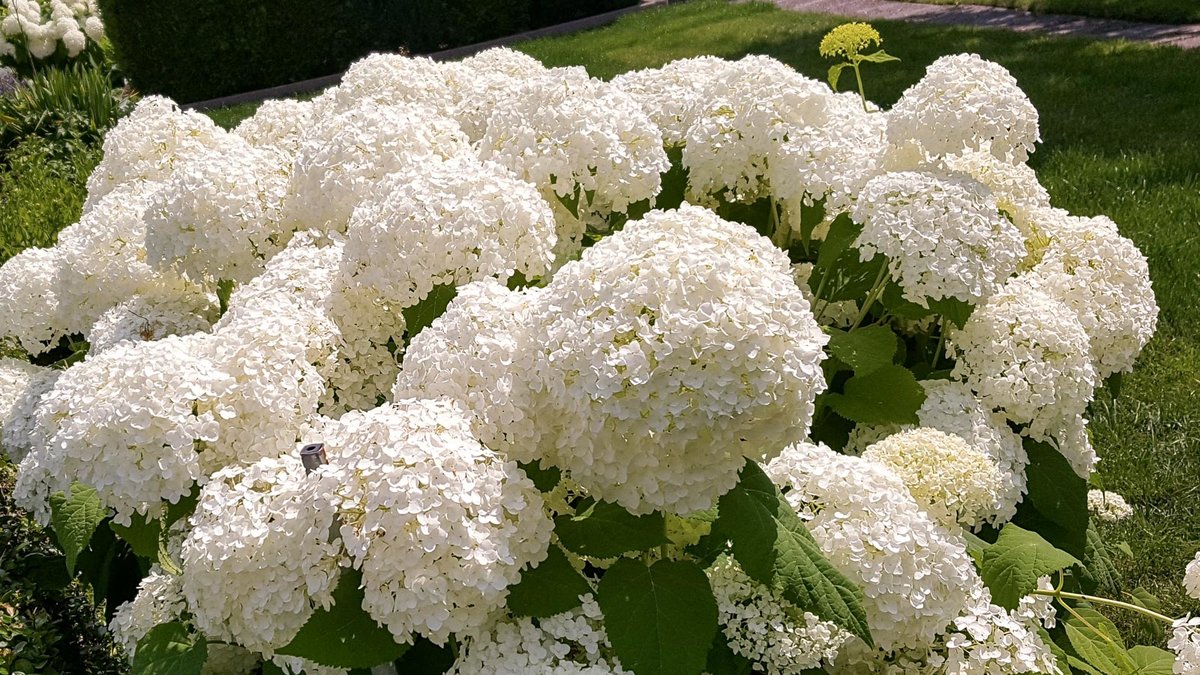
[(941, 345), (861, 94), (1104, 601), (872, 296), (781, 234)]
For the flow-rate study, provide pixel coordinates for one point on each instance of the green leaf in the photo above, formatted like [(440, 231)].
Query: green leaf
[(811, 215), (75, 518), (661, 619), (141, 535), (1098, 563), (224, 292), (1059, 496), (344, 636), (1152, 660), (1012, 565), (553, 587), (1060, 656), (774, 547), (842, 233), (835, 74), (865, 349), (544, 480), (952, 309), (1096, 640), (426, 658), (886, 395), (425, 312), (893, 299), (722, 660), (606, 530), (1147, 600), (975, 546), (877, 57), (170, 649)]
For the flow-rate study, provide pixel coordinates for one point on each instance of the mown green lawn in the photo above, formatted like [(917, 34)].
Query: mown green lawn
[(1153, 11)]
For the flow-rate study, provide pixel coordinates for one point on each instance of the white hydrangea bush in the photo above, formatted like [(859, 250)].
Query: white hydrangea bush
[(540, 334), (48, 32)]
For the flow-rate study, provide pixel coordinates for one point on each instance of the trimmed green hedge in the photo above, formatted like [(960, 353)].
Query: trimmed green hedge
[(192, 50)]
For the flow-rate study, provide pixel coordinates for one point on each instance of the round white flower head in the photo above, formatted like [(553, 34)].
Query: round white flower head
[(674, 95), (1025, 352), (1105, 280), (952, 408), (989, 640), (832, 161), (571, 643), (279, 126), (579, 140), (440, 525), (1015, 186), (762, 626), (954, 482), (1191, 577), (18, 380), (145, 145), (126, 422), (454, 222), (747, 113), (259, 557), (219, 214), (395, 79), (477, 353), (668, 354), (483, 82), (1109, 507), (175, 309), (915, 574), (345, 155), (942, 234), (1185, 642), (966, 103), (33, 315), (159, 600)]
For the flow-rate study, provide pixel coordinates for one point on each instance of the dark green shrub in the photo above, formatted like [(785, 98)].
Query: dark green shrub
[(550, 12), (40, 196)]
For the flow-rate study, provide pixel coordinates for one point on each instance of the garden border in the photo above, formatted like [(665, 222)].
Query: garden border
[(316, 83)]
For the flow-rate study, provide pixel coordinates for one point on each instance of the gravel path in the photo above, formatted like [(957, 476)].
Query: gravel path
[(1186, 36)]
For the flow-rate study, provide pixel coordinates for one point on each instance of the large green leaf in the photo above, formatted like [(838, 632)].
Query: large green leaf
[(774, 547), (170, 649), (74, 519), (344, 636), (1098, 564), (841, 235), (722, 660), (606, 530), (553, 587), (866, 349), (886, 395), (1012, 565), (1096, 641), (425, 312), (1152, 660), (661, 618), (1056, 506)]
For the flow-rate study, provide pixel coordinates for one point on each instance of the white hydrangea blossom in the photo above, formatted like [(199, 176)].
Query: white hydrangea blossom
[(748, 112), (37, 28), (483, 82), (177, 309), (279, 126), (1105, 280), (440, 525), (674, 95), (396, 80), (915, 574), (966, 103), (1015, 186), (159, 600), (1185, 642), (578, 140), (1026, 353), (765, 628), (126, 422), (22, 386), (345, 155), (989, 640), (477, 354), (943, 235), (670, 352), (1191, 577), (571, 643), (1109, 507), (455, 222), (954, 482), (259, 557), (219, 215), (33, 317), (146, 144)]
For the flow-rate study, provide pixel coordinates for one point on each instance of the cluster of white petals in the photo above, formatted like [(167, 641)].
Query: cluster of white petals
[(159, 600), (178, 309), (966, 103), (669, 353), (763, 627), (440, 525), (259, 557), (21, 385), (916, 575), (1191, 577), (37, 29), (1185, 642), (27, 281), (990, 640), (955, 482), (1109, 507), (571, 643), (278, 126), (943, 235)]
